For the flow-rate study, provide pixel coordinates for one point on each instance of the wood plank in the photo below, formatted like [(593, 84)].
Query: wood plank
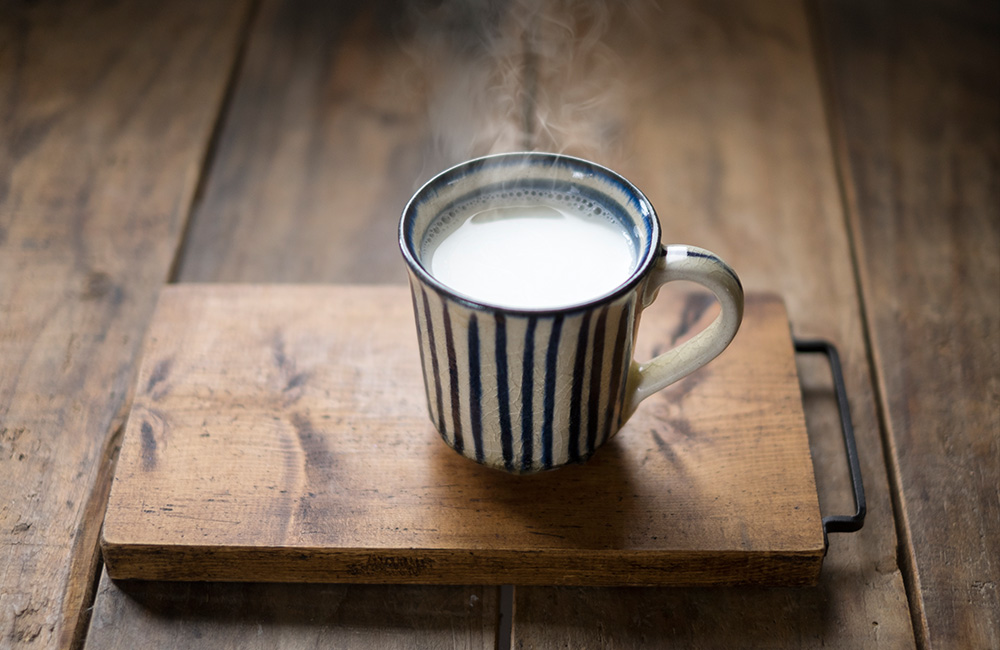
[(329, 136), (281, 433), (266, 616), (721, 123), (107, 111), (916, 92)]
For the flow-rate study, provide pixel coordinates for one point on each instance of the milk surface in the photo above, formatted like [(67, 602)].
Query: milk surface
[(531, 256)]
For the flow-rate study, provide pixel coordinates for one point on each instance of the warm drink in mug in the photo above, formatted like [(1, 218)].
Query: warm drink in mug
[(529, 272), (530, 256)]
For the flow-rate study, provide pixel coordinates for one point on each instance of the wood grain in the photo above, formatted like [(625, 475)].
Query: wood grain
[(722, 125), (280, 433), (916, 93), (107, 109), (262, 616)]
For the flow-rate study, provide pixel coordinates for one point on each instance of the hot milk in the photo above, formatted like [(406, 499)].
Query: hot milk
[(531, 256)]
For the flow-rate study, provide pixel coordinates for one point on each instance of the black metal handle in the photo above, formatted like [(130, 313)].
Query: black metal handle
[(841, 523)]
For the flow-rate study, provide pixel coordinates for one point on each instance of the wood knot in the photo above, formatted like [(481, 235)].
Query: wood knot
[(99, 285)]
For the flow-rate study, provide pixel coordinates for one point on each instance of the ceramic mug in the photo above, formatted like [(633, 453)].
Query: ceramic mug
[(524, 389)]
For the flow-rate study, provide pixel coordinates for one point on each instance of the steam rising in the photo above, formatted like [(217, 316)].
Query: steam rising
[(515, 75)]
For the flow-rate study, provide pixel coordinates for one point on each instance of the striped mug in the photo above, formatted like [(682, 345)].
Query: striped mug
[(529, 272)]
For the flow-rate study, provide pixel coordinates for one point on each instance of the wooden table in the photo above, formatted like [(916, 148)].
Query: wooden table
[(843, 154)]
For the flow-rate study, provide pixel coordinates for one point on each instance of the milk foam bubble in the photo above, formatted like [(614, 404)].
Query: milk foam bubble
[(527, 253)]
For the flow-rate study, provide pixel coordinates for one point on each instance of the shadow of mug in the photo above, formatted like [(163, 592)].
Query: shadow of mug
[(589, 506)]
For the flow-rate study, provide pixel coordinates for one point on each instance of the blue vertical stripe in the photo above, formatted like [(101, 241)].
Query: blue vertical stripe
[(551, 360), (576, 399), (420, 343), (503, 393), (456, 410), (434, 365), (527, 395), (475, 388), (616, 378), (594, 398)]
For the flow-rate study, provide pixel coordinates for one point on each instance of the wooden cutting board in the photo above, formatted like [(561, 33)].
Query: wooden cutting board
[(280, 433)]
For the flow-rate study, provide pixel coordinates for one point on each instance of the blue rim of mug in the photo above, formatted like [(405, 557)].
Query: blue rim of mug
[(651, 245)]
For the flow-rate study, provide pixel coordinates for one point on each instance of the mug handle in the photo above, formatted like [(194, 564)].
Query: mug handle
[(680, 262)]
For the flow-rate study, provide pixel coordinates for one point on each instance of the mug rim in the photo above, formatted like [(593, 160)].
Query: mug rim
[(645, 209)]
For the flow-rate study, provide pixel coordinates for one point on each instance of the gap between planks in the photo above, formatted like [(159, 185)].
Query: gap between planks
[(205, 168)]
